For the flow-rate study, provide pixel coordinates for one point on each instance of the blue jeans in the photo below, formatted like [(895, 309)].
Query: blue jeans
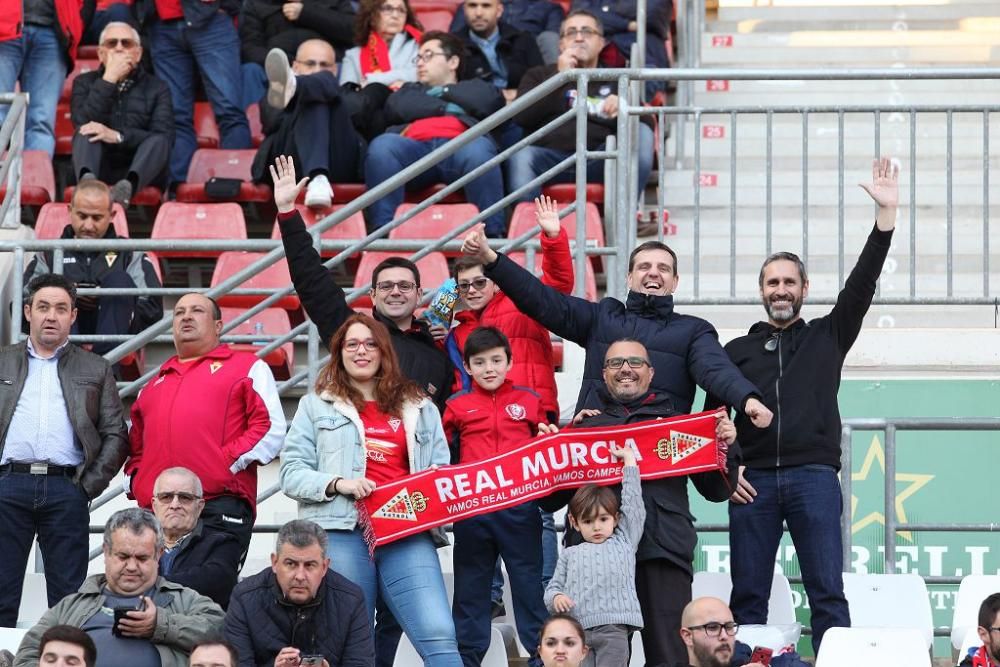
[(531, 161), (407, 574), (388, 154), (808, 498), (56, 509), (117, 11), (36, 60), (214, 49)]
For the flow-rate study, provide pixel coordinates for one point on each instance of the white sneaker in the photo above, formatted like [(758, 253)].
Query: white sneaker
[(319, 194), (280, 79)]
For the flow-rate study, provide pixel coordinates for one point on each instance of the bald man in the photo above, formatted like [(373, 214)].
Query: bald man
[(212, 410), (709, 632)]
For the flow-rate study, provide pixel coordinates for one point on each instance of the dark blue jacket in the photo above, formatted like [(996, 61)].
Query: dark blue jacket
[(531, 16), (684, 350)]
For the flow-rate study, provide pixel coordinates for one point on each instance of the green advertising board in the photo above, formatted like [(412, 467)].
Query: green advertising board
[(941, 477)]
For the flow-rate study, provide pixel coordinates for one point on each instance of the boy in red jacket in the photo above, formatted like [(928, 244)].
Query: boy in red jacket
[(491, 417)]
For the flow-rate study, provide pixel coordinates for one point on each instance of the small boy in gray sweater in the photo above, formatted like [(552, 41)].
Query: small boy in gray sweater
[(595, 580)]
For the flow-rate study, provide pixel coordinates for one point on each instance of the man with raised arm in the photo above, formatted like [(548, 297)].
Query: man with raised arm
[(789, 471)]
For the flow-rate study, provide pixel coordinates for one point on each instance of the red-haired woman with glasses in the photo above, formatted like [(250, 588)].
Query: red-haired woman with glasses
[(387, 34), (366, 424)]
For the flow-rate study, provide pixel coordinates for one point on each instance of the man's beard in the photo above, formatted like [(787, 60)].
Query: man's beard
[(712, 658), (785, 314)]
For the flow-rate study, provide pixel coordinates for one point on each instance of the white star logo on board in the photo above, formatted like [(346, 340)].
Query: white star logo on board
[(399, 507)]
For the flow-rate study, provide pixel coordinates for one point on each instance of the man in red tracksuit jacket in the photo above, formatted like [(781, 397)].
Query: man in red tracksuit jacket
[(213, 411), (492, 417)]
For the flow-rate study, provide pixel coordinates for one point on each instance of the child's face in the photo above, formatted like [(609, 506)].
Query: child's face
[(596, 528), (489, 368)]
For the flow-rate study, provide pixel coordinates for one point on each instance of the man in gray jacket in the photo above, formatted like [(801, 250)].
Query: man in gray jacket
[(130, 601), (62, 439)]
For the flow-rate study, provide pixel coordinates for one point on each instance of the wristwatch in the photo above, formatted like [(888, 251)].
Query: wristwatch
[(121, 137)]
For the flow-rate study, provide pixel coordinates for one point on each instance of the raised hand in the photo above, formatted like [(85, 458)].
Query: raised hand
[(286, 190), (884, 189), (475, 245), (623, 454), (547, 215)]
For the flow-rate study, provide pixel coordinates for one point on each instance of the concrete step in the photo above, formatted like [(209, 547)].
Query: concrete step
[(802, 11), (847, 37), (904, 87), (850, 56), (707, 94)]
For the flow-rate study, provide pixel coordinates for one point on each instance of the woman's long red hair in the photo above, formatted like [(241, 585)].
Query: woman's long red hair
[(392, 388)]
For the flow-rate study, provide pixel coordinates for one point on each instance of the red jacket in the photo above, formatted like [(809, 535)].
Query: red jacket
[(70, 17), (531, 347), (481, 424), (218, 416)]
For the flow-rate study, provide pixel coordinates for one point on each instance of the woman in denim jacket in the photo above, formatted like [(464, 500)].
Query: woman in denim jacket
[(364, 425)]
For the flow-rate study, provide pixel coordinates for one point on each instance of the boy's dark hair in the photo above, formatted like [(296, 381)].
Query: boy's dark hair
[(464, 263), (71, 635), (988, 611), (485, 338), (396, 263), (51, 280), (651, 245), (450, 45), (219, 640), (591, 499)]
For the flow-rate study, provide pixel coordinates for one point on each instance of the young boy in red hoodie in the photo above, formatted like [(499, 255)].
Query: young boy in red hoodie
[(494, 416)]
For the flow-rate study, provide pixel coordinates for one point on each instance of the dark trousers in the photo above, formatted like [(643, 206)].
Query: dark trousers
[(146, 165), (113, 314), (388, 632), (514, 534), (663, 589), (56, 510), (808, 498), (323, 136), (233, 515)]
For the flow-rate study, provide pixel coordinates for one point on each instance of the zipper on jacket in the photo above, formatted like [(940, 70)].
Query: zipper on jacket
[(777, 396), (496, 425)]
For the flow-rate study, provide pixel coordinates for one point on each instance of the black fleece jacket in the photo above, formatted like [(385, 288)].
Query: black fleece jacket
[(801, 377)]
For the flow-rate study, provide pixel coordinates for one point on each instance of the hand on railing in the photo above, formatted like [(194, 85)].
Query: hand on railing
[(547, 215), (884, 189), (286, 190)]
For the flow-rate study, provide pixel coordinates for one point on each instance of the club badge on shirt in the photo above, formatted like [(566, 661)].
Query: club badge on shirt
[(516, 411), (214, 366)]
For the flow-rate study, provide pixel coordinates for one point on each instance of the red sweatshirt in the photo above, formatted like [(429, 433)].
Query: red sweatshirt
[(485, 424)]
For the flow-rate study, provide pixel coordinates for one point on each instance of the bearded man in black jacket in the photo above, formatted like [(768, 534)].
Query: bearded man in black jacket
[(789, 470)]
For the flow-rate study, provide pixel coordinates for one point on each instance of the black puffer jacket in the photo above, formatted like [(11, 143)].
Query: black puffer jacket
[(517, 50), (684, 350), (208, 562), (263, 27), (260, 622), (413, 101), (142, 108)]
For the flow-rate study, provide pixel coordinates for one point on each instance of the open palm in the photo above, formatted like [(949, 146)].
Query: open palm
[(286, 190), (884, 188)]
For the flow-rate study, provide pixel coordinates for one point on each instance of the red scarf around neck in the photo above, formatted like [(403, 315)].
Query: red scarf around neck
[(375, 54)]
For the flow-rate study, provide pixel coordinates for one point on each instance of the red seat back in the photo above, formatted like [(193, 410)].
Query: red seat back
[(274, 276), (435, 222), (274, 322), (176, 220), (351, 229)]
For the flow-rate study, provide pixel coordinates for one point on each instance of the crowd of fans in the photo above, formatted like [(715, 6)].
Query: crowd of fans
[(355, 91), (400, 396)]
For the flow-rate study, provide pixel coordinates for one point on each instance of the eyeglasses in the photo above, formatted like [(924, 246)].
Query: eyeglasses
[(992, 629), (427, 56), (404, 286), (353, 345), (715, 629), (392, 9), (479, 283), (573, 33), (113, 42), (183, 497), (615, 363), (316, 63)]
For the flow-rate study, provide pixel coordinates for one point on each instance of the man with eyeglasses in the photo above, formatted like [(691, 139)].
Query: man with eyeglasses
[(663, 568), (709, 633), (423, 116), (581, 39), (987, 654), (123, 118), (790, 470), (204, 560), (213, 410), (395, 293), (325, 126)]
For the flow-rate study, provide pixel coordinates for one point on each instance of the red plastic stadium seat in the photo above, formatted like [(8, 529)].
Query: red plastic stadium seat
[(179, 221), (82, 65), (274, 322), (206, 130), (149, 196), (524, 219), (345, 192), (223, 163), (435, 222), (38, 182), (589, 280), (435, 16), (53, 218), (64, 130), (433, 271), (256, 129), (87, 52), (351, 229), (156, 265), (567, 192), (273, 276), (417, 196)]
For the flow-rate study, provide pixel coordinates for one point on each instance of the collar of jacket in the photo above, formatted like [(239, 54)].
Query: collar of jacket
[(650, 306), (221, 351), (768, 329), (162, 588), (68, 233), (418, 329), (648, 401)]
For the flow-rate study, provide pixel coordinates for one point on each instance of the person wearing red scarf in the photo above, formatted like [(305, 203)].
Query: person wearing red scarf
[(387, 34), (987, 655)]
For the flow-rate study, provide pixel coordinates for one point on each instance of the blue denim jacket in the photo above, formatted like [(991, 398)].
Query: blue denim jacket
[(325, 443)]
